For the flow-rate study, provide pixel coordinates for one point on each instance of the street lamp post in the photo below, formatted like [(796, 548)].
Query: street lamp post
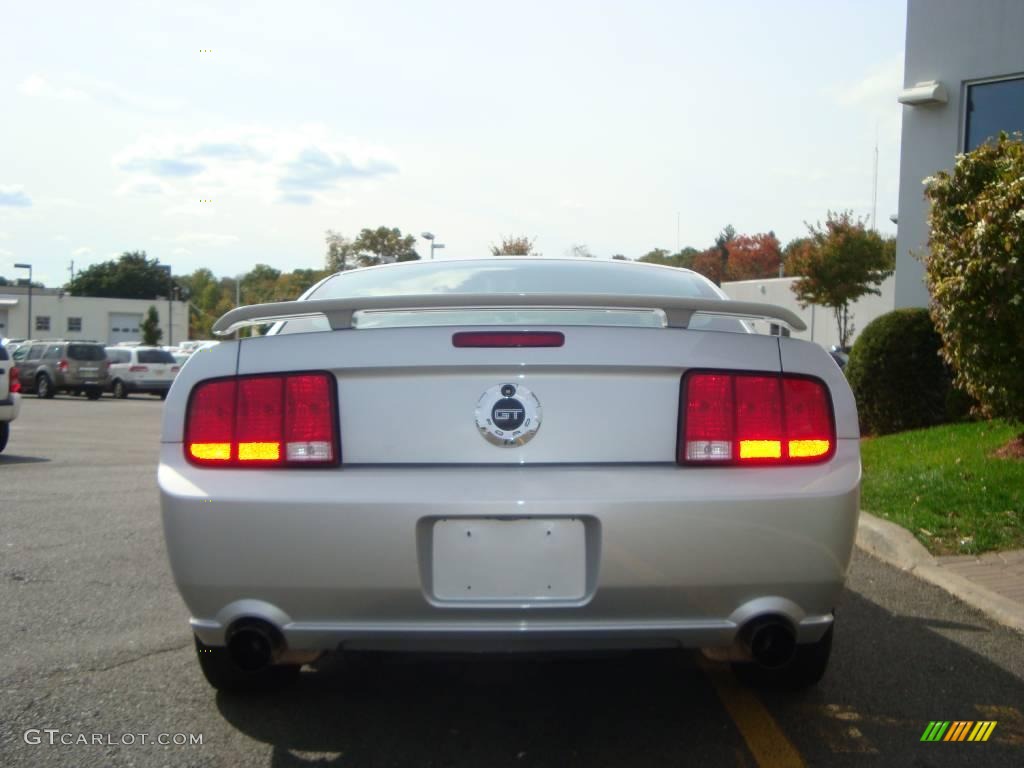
[(434, 245), (28, 323), (170, 305)]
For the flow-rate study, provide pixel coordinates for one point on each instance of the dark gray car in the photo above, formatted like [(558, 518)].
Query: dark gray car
[(48, 367)]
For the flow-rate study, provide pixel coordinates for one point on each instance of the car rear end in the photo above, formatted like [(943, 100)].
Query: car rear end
[(151, 371), (482, 487), (10, 397), (83, 367)]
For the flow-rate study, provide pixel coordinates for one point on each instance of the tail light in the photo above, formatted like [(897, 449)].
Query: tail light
[(15, 385), (175, 368), (62, 366), (139, 369), (265, 421), (746, 418), (508, 339)]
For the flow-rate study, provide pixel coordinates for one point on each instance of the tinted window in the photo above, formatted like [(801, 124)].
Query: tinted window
[(86, 352), (155, 356), (52, 353), (516, 276), (3, 353), (35, 352), (991, 108), (502, 275)]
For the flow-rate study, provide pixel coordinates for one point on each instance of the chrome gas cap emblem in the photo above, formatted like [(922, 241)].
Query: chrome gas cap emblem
[(508, 414)]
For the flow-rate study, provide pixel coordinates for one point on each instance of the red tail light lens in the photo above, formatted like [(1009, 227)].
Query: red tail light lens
[(508, 339), (62, 365), (15, 385), (288, 420), (754, 419), (139, 369)]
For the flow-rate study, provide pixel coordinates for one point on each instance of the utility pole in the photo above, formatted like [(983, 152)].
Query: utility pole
[(72, 270)]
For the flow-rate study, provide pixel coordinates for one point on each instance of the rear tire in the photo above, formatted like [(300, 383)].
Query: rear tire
[(806, 668), (44, 387), (221, 673), (5, 433), (93, 394), (120, 392)]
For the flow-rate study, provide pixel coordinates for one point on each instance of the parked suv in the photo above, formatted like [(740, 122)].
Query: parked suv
[(141, 369), (10, 400), (48, 367)]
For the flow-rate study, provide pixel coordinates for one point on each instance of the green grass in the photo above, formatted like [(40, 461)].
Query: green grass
[(942, 485)]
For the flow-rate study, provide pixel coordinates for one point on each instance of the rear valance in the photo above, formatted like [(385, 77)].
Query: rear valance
[(678, 310)]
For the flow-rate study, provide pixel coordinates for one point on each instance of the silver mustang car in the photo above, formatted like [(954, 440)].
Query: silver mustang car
[(510, 454)]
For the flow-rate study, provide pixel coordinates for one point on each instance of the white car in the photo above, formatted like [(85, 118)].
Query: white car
[(10, 397), (147, 370), (505, 454)]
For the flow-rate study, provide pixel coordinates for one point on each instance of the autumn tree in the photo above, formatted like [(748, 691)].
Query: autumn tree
[(842, 261), (753, 257), (709, 263), (384, 245), (341, 252), (514, 246), (683, 258)]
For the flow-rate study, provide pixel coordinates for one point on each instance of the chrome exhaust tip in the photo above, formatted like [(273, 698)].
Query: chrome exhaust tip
[(770, 641), (254, 645)]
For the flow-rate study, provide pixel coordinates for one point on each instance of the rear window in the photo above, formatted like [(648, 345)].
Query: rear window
[(86, 352), (155, 356), (513, 276), (3, 353)]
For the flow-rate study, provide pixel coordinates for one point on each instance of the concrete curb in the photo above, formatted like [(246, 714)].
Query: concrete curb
[(898, 547)]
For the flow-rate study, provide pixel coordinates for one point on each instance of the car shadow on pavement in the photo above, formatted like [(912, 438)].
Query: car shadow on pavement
[(890, 675), (13, 458)]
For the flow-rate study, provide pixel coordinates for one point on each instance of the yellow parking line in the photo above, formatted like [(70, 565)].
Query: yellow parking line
[(765, 740)]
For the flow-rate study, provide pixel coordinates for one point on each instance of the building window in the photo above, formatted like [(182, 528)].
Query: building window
[(42, 322), (75, 324), (993, 107)]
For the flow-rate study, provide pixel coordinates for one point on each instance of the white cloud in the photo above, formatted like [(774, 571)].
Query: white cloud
[(296, 167), (879, 87), (14, 195), (77, 88), (144, 186), (83, 251), (62, 238), (211, 239)]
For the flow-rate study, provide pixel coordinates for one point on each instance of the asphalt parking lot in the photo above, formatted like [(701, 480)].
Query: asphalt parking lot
[(94, 640)]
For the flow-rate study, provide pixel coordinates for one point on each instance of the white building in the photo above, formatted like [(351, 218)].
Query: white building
[(963, 83), (820, 321), (56, 314)]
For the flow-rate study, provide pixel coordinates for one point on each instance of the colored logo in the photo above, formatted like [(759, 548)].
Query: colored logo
[(958, 730)]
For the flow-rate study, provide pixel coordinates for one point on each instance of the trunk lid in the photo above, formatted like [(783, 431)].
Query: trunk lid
[(408, 395)]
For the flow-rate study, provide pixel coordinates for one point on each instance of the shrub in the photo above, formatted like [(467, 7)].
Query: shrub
[(975, 273), (897, 376)]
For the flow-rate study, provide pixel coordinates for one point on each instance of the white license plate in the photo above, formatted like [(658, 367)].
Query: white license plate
[(491, 559)]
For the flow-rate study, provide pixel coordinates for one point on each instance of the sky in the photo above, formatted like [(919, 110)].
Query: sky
[(223, 135)]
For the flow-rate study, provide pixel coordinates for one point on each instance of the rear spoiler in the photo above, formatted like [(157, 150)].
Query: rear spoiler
[(678, 309)]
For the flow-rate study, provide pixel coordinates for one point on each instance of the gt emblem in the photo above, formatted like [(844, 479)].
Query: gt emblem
[(508, 415)]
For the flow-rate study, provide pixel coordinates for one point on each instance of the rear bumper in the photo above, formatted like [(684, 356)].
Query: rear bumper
[(10, 407), (147, 386), (673, 556)]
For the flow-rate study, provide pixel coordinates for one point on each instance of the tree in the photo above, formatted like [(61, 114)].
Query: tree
[(709, 264), (514, 246), (753, 257), (341, 252), (684, 258), (841, 262), (619, 257), (975, 273), (384, 246), (791, 254), (579, 250), (151, 333), (132, 276)]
